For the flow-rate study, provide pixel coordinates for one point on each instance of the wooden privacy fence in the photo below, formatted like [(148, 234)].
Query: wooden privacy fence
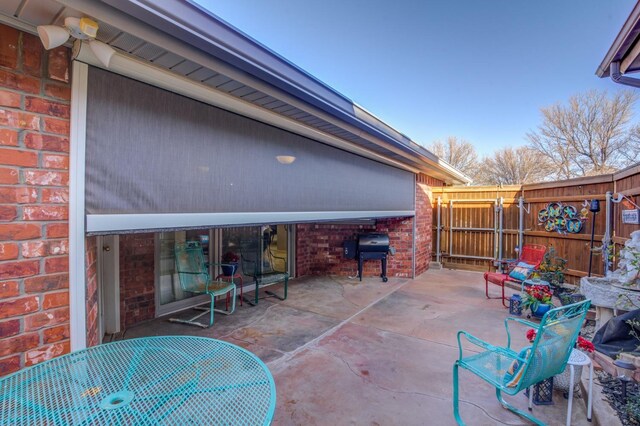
[(479, 224)]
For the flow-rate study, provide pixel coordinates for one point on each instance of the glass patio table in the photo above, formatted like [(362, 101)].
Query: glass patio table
[(151, 380)]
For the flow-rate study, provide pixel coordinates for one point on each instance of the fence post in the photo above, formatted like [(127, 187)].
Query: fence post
[(500, 229), (520, 224), (451, 228), (607, 233), (438, 233)]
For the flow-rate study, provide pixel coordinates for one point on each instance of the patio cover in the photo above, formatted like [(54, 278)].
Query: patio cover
[(158, 160)]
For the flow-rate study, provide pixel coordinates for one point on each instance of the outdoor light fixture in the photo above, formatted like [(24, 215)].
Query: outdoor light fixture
[(624, 370), (53, 36), (285, 159)]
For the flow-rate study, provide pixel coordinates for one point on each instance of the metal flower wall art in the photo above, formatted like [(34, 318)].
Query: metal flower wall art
[(563, 218)]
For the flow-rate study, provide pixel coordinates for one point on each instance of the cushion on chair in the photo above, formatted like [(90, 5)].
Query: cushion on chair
[(521, 271), (538, 364), (516, 370)]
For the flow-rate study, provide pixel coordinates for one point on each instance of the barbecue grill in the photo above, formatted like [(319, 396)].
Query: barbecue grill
[(373, 246)]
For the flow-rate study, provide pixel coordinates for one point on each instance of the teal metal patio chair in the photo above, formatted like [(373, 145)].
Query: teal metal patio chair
[(193, 273), (511, 371), (263, 270)]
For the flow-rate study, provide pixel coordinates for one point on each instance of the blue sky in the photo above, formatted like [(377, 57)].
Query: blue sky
[(476, 69)]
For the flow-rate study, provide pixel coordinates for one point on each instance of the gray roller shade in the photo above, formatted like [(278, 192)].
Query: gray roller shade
[(154, 154)]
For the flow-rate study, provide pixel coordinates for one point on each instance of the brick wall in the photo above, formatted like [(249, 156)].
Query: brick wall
[(91, 266), (319, 248), (400, 232), (34, 163), (137, 278), (424, 221)]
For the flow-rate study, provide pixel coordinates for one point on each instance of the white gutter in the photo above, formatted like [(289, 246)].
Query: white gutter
[(617, 76)]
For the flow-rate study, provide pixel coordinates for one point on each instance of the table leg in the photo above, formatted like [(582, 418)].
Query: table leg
[(570, 402), (590, 400)]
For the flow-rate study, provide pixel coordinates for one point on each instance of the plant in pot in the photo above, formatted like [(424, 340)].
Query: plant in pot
[(552, 268), (538, 299), (229, 264)]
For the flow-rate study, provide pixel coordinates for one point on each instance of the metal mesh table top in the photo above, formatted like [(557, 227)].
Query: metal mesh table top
[(578, 357), (148, 381)]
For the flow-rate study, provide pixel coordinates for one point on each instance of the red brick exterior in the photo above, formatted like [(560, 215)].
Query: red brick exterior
[(424, 221), (91, 266), (137, 278), (319, 248), (34, 174)]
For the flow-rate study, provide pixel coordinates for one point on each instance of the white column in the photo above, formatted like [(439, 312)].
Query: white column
[(77, 269)]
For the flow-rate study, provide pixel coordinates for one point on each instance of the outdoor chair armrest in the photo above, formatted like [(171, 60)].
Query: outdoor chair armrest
[(518, 320), (476, 341)]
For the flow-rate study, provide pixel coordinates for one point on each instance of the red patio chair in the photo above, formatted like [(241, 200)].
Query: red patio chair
[(532, 254)]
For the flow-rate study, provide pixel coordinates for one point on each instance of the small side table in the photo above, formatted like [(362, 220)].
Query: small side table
[(530, 282), (231, 279), (579, 358), (576, 358)]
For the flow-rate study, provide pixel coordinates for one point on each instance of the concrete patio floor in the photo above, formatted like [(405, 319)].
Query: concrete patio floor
[(344, 352)]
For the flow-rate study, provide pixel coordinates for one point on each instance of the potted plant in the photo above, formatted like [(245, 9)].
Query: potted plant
[(229, 264), (552, 268), (538, 299)]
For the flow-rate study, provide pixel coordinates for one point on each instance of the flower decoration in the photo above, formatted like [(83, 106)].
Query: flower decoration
[(585, 344), (531, 335), (629, 265), (230, 257), (582, 343), (536, 295)]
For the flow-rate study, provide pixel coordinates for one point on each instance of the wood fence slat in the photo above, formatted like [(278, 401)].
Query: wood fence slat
[(573, 247)]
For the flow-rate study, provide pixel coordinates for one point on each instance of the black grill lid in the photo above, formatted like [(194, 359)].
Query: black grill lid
[(373, 242)]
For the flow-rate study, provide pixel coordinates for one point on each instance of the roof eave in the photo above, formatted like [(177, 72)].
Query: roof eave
[(243, 52), (622, 43)]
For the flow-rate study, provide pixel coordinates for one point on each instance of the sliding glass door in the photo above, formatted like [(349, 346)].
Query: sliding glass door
[(169, 295), (272, 244)]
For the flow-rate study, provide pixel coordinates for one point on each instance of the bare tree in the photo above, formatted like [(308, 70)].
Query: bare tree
[(460, 153), (590, 134), (513, 166)]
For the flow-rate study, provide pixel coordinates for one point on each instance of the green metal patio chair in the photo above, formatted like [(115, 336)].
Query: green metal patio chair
[(262, 269), (193, 273), (510, 371)]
